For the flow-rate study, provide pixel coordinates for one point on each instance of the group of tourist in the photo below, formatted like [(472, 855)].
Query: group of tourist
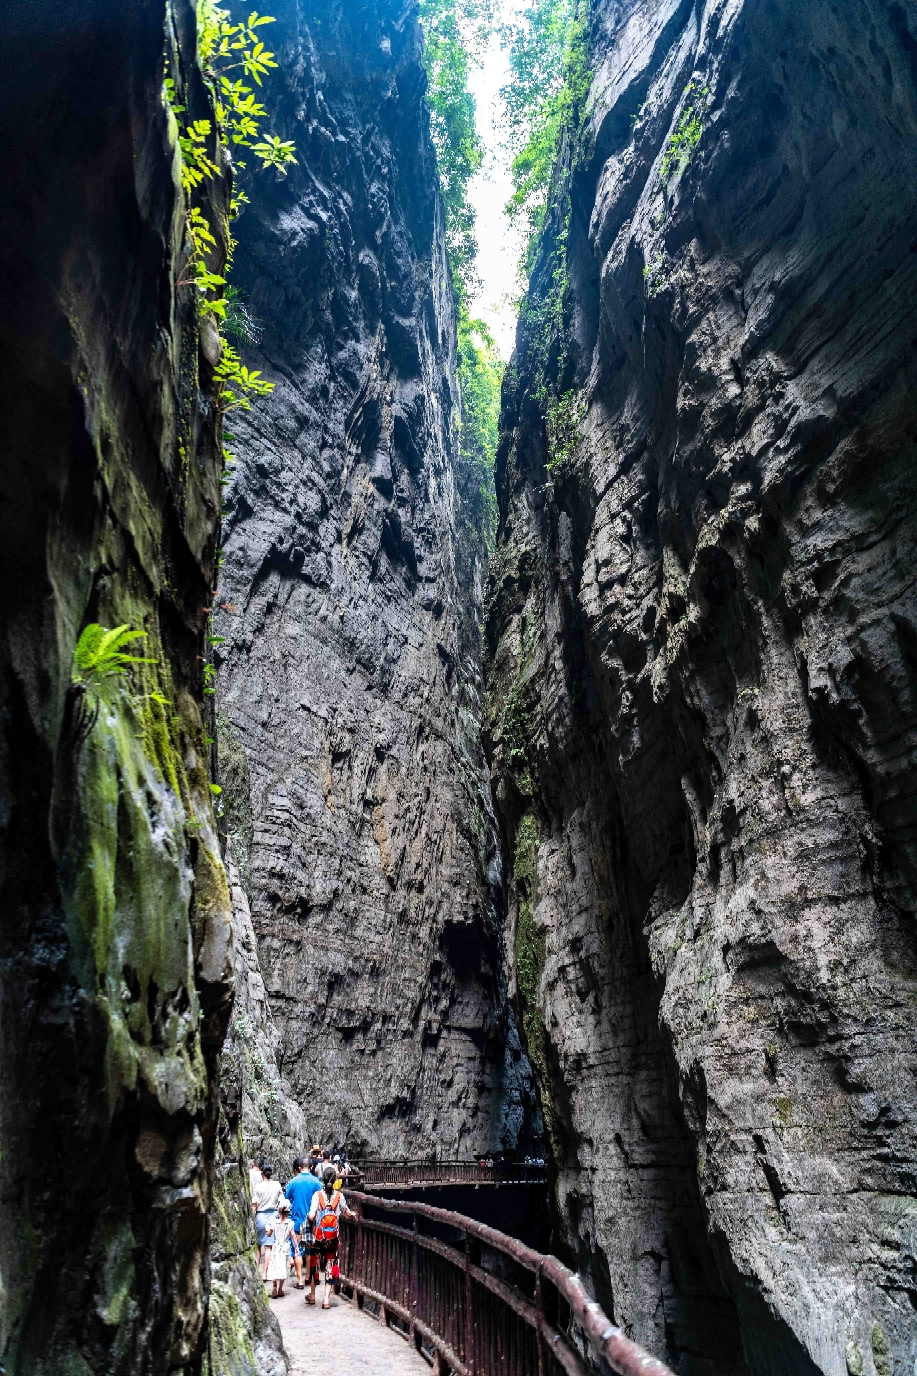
[(488, 1163), (302, 1220)]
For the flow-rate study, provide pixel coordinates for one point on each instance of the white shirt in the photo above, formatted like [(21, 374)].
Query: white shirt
[(328, 1196), (267, 1195)]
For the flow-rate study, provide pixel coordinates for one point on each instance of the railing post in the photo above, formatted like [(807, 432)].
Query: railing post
[(359, 1260), (414, 1273), (539, 1330), (471, 1361)]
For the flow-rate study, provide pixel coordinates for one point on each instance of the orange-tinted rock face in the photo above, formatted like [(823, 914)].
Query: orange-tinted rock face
[(702, 709)]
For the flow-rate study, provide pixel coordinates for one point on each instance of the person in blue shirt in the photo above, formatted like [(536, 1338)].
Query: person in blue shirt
[(300, 1191)]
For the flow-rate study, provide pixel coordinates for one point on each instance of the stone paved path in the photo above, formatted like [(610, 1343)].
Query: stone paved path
[(341, 1341)]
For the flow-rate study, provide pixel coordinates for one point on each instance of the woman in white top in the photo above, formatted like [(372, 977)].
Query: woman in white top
[(265, 1203)]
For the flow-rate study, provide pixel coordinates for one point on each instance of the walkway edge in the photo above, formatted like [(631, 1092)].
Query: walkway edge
[(607, 1341)]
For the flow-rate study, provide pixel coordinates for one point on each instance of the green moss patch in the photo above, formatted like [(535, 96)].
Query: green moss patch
[(230, 1352)]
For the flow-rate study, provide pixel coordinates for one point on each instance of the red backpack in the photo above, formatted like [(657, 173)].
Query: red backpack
[(327, 1227)]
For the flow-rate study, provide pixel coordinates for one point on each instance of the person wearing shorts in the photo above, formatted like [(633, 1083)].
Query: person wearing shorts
[(300, 1191), (265, 1200), (324, 1255)]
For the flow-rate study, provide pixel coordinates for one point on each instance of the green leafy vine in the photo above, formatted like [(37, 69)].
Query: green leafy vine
[(234, 61), (224, 48), (686, 135)]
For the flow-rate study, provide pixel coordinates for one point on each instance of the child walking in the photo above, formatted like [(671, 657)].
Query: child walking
[(277, 1265)]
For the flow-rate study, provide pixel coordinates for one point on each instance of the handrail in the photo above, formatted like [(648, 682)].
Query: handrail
[(461, 1305), (416, 1173)]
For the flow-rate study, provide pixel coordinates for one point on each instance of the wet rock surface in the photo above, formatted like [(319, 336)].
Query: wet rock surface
[(115, 980), (702, 687), (350, 691)]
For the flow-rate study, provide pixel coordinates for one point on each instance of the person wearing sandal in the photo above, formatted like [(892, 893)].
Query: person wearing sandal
[(300, 1191), (324, 1220), (265, 1200), (281, 1232)]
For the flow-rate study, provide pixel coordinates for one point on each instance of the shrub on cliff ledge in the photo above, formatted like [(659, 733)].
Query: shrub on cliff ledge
[(480, 376), (564, 423), (687, 133)]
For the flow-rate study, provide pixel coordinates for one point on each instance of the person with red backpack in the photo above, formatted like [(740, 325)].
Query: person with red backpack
[(324, 1220)]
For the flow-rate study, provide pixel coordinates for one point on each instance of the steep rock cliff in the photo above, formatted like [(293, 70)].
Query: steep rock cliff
[(254, 1091), (244, 1335), (114, 936), (702, 708), (257, 1118), (350, 602)]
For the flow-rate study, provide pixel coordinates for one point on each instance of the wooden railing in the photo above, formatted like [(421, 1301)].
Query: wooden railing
[(476, 1302), (418, 1174)]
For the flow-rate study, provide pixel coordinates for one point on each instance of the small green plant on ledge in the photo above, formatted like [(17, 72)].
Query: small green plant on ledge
[(239, 385), (239, 325), (99, 654), (687, 133), (564, 424), (655, 276)]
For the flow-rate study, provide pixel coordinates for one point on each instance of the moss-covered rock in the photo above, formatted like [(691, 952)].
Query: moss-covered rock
[(115, 982)]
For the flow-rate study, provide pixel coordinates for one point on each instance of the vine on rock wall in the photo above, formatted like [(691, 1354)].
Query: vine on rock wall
[(233, 60)]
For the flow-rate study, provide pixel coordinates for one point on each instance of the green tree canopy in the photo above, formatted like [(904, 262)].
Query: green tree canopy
[(455, 33), (481, 377), (549, 82)]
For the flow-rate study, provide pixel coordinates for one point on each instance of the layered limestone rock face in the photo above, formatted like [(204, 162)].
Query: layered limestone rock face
[(257, 1118), (702, 706), (255, 1095), (115, 978), (349, 687)]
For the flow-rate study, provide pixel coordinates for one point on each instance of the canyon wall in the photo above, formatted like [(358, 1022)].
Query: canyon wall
[(115, 975), (357, 814), (702, 708)]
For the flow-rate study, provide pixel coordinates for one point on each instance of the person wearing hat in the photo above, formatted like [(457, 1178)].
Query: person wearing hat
[(280, 1231)]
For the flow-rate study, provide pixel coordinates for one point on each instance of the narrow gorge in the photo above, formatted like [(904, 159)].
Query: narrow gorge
[(338, 807), (357, 809)]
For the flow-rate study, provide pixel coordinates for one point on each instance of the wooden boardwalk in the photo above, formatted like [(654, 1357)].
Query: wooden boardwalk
[(341, 1341)]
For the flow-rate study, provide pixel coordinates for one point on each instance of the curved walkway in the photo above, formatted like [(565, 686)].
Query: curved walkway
[(341, 1341)]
